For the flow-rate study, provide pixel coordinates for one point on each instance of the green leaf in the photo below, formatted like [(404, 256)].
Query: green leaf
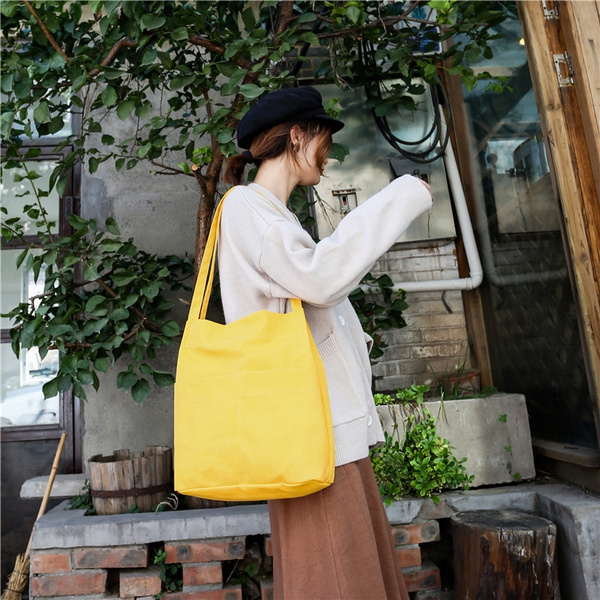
[(163, 379), (123, 277), (6, 121), (126, 380), (179, 34), (101, 364), (111, 226), (21, 257), (249, 90), (42, 113), (50, 388), (124, 109), (109, 96), (181, 81), (140, 390), (170, 329), (353, 14), (94, 302), (150, 21), (90, 271), (79, 81)]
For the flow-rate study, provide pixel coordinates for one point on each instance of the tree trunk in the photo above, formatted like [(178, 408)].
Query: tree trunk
[(504, 555)]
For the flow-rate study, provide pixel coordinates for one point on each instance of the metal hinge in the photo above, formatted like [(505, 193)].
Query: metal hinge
[(550, 12), (564, 69)]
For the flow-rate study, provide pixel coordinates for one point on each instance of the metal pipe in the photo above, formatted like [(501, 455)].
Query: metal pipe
[(468, 236)]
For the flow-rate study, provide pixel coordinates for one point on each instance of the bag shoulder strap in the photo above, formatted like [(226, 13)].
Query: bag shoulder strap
[(206, 274), (204, 282)]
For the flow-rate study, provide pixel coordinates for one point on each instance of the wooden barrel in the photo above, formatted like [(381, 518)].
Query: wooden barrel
[(504, 555), (125, 478)]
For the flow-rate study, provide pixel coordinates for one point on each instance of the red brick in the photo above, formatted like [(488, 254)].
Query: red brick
[(266, 589), (202, 573), (139, 582), (229, 593), (51, 562), (69, 584), (117, 557), (182, 552), (409, 556), (425, 577), (416, 533), (269, 546)]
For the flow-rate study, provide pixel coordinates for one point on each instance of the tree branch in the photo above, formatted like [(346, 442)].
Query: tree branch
[(387, 21), (45, 30), (285, 15), (124, 42), (204, 43)]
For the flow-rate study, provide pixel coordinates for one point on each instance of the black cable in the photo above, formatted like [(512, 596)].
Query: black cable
[(436, 143)]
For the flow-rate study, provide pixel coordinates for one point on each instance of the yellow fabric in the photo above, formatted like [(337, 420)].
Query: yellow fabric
[(252, 414)]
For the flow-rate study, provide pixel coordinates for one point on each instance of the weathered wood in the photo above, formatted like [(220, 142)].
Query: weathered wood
[(122, 479), (570, 120), (504, 555), (461, 141)]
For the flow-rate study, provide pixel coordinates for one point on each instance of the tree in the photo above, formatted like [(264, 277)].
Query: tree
[(186, 72), (206, 62)]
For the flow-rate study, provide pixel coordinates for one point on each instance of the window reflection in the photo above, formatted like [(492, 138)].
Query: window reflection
[(529, 310)]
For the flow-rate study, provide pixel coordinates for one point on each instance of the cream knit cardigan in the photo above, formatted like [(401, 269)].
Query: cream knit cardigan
[(265, 258)]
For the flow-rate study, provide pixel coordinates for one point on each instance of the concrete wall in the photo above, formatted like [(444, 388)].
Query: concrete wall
[(159, 213)]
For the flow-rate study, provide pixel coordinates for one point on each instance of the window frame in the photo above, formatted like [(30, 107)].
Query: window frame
[(69, 203)]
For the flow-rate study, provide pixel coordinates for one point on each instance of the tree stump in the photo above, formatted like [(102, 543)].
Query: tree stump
[(504, 555)]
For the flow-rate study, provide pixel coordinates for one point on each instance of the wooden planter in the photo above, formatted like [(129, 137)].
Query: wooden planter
[(126, 478)]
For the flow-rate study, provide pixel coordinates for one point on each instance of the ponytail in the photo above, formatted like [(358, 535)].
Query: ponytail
[(234, 169)]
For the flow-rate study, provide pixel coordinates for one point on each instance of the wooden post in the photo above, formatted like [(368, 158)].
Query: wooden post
[(504, 555)]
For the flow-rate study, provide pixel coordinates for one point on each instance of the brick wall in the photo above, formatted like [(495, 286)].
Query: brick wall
[(127, 571), (435, 340)]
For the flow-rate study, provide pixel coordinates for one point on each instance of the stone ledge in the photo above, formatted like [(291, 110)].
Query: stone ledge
[(64, 486)]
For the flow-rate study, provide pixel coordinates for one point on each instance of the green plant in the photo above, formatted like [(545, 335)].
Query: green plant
[(379, 309), (423, 464), (103, 299), (171, 574), (83, 500)]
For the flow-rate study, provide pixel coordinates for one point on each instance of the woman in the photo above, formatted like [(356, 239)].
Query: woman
[(336, 543)]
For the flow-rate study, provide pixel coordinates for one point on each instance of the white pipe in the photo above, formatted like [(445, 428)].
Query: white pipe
[(468, 236), (491, 272)]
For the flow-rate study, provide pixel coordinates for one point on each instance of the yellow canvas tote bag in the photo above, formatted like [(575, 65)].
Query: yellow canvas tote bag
[(252, 413)]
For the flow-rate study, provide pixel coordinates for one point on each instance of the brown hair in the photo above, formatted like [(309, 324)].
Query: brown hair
[(276, 141)]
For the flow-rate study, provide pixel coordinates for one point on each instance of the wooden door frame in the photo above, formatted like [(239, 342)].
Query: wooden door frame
[(570, 119)]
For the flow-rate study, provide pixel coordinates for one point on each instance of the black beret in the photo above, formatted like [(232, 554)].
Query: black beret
[(283, 106)]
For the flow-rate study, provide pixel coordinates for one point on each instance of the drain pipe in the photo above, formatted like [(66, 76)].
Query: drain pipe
[(468, 236)]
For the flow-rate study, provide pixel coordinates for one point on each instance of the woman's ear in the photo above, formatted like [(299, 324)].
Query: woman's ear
[(296, 136)]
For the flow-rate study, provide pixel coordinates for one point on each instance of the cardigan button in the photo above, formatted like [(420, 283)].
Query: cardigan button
[(370, 421), (342, 320)]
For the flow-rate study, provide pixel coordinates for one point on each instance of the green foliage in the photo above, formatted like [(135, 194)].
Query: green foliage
[(171, 575), (103, 299), (83, 501), (379, 309), (205, 63), (423, 464)]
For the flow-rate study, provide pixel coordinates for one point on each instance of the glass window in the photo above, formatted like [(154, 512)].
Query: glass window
[(528, 304), (22, 402), (17, 192)]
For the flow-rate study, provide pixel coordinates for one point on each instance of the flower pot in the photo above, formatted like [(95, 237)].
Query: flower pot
[(126, 478)]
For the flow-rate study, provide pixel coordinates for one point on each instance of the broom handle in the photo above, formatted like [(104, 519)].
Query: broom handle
[(51, 477)]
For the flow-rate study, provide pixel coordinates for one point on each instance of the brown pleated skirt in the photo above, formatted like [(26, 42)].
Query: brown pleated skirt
[(336, 544)]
